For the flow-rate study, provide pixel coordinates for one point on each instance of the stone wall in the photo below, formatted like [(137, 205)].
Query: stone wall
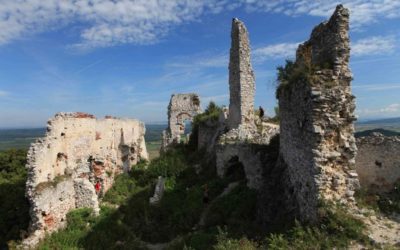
[(182, 107), (378, 162), (241, 78), (316, 119), (210, 131), (64, 167)]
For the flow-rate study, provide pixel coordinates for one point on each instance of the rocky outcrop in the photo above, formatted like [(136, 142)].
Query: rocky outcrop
[(181, 108), (241, 78), (316, 108), (378, 162), (75, 164)]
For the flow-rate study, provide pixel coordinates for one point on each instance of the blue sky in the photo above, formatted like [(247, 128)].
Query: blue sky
[(125, 58)]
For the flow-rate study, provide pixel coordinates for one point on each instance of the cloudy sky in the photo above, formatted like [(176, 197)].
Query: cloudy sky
[(126, 57)]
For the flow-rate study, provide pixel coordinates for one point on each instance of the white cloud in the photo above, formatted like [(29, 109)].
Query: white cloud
[(363, 12), (281, 50), (395, 107), (110, 22), (391, 109), (376, 45), (197, 61)]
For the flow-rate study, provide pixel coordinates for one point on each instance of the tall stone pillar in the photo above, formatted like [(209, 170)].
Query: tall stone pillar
[(241, 78)]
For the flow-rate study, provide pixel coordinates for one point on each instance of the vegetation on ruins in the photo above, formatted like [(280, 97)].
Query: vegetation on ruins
[(211, 114), (301, 70), (128, 221), (53, 183), (386, 203)]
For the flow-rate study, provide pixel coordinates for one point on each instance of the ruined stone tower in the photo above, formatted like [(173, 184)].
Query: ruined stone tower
[(181, 108), (241, 78), (316, 119)]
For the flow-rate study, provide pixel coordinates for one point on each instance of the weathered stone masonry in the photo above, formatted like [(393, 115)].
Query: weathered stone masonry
[(378, 162), (64, 167), (241, 78), (181, 107), (245, 137), (316, 120)]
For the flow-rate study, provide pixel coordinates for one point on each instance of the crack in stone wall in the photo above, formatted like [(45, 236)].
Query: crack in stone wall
[(75, 164)]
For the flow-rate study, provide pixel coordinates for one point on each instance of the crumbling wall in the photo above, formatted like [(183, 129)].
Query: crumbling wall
[(75, 163), (316, 119), (182, 107), (241, 78), (378, 162)]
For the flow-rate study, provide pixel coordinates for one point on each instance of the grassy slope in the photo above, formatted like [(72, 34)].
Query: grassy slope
[(231, 223)]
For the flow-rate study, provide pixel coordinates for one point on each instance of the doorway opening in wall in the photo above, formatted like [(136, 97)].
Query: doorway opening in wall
[(185, 127), (235, 169)]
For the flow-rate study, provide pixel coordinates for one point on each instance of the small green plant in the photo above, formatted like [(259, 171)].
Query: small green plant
[(53, 183), (226, 243), (386, 203)]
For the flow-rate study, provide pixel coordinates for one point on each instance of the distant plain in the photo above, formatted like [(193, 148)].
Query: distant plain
[(22, 138)]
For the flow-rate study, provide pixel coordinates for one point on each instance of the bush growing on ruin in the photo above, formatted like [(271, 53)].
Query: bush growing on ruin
[(211, 114), (291, 73)]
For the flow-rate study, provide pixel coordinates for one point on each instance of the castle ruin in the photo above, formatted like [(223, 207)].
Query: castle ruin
[(181, 108), (317, 143), (75, 164)]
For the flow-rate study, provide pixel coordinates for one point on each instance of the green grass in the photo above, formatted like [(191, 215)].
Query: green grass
[(135, 220), (153, 149), (385, 203)]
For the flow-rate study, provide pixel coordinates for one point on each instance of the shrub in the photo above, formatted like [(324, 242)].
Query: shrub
[(226, 243), (386, 203), (211, 114)]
